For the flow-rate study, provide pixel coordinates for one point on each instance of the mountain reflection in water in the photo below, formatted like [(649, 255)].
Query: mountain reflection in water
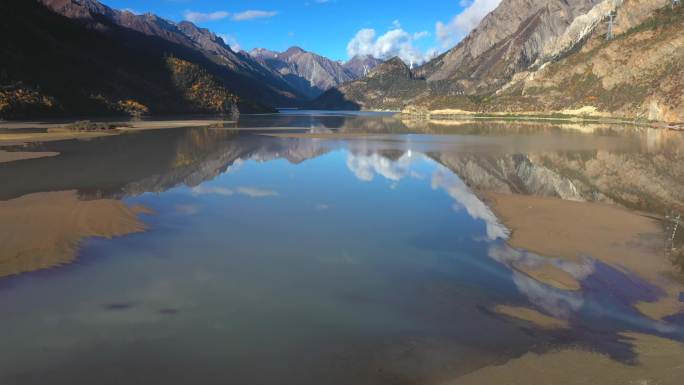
[(372, 259)]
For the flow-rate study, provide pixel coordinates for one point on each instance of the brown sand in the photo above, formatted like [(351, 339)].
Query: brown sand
[(550, 275), (564, 229), (57, 131), (660, 362), (6, 156), (522, 313), (43, 230), (11, 139)]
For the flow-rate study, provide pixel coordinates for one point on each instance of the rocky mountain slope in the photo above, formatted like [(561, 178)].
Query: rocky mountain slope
[(312, 74), (637, 75), (360, 65), (549, 57), (55, 66), (507, 40), (250, 79), (387, 86)]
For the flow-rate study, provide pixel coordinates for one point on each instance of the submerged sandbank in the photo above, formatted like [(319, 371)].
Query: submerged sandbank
[(530, 315), (570, 230), (658, 361), (43, 230), (13, 156), (16, 132)]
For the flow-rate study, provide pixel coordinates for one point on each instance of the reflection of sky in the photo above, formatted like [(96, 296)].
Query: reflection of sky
[(464, 198), (607, 298), (559, 303), (366, 167)]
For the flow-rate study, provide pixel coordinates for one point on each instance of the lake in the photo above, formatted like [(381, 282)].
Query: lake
[(345, 249)]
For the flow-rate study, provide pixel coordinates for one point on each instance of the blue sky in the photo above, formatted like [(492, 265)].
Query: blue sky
[(413, 30)]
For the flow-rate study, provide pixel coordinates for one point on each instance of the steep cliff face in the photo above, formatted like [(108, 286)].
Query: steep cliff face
[(507, 40), (638, 75)]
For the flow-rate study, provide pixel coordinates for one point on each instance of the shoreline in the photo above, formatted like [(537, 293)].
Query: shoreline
[(586, 114)]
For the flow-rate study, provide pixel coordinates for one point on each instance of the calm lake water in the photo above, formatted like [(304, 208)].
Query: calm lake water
[(328, 260)]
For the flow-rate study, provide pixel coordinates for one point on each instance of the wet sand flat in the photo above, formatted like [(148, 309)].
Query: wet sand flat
[(13, 156), (659, 361), (571, 230), (43, 230), (522, 313), (21, 138), (60, 131)]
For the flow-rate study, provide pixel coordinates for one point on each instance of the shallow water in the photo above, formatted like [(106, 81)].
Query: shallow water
[(366, 260)]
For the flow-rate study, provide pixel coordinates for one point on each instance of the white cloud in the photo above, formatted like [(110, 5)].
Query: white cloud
[(203, 190), (475, 10), (365, 167), (231, 41), (187, 209), (465, 198), (253, 14), (198, 17), (254, 192), (396, 42)]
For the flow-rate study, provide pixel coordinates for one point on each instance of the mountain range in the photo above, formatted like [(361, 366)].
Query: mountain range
[(80, 57), (550, 57), (312, 74)]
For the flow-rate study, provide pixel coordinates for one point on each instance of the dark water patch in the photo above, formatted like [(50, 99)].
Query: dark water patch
[(119, 306)]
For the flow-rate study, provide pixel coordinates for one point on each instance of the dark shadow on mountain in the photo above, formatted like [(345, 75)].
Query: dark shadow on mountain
[(304, 86), (333, 99), (85, 67)]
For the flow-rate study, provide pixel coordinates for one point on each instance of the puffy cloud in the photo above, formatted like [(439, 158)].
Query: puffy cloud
[(365, 167), (231, 41), (475, 10), (254, 192), (204, 190), (198, 17), (253, 14), (395, 42)]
